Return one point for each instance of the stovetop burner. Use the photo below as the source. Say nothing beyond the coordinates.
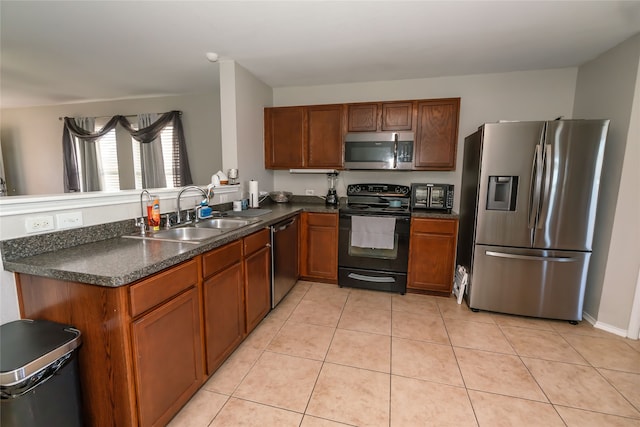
(377, 199)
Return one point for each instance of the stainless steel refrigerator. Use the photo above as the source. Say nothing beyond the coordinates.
(529, 197)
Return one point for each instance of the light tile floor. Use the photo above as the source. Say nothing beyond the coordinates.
(330, 356)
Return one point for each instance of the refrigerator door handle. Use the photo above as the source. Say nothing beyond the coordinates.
(529, 257)
(544, 209)
(536, 182)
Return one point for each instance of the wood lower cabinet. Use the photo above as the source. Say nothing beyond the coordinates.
(141, 357)
(257, 277)
(223, 303)
(437, 134)
(168, 358)
(432, 251)
(319, 246)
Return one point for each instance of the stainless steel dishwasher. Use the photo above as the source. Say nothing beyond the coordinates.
(284, 258)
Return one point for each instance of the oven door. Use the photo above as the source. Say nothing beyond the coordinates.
(368, 268)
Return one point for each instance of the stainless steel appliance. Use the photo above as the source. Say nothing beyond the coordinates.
(528, 206)
(284, 258)
(373, 237)
(379, 150)
(432, 197)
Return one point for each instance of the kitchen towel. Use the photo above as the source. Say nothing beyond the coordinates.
(254, 194)
(373, 232)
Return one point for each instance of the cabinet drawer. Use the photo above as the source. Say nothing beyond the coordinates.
(256, 241)
(162, 286)
(437, 226)
(221, 258)
(323, 220)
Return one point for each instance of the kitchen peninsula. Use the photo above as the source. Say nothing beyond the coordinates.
(142, 308)
(151, 312)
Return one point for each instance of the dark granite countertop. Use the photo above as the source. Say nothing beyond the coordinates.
(434, 214)
(114, 260)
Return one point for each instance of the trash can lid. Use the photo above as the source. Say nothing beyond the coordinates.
(28, 346)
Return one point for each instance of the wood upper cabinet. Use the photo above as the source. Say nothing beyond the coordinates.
(319, 246)
(437, 134)
(324, 136)
(432, 251)
(284, 134)
(380, 116)
(397, 116)
(304, 137)
(223, 303)
(362, 117)
(257, 277)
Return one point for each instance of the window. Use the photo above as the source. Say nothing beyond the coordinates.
(107, 151)
(166, 140)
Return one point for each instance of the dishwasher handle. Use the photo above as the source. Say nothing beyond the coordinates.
(283, 226)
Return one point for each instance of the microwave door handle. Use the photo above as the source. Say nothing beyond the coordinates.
(395, 150)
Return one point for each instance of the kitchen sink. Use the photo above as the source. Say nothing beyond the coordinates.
(182, 234)
(226, 224)
(198, 232)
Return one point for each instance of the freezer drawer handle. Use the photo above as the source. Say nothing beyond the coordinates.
(371, 278)
(529, 257)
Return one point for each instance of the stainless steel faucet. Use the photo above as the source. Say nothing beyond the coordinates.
(141, 222)
(190, 187)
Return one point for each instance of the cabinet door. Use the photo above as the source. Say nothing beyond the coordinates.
(437, 134)
(362, 118)
(284, 137)
(257, 286)
(319, 256)
(397, 115)
(167, 350)
(432, 251)
(324, 137)
(223, 314)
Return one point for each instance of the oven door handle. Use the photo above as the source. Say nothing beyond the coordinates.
(364, 278)
(401, 220)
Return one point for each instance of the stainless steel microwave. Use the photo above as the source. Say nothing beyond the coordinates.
(379, 150)
(432, 196)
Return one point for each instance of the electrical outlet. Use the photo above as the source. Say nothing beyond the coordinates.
(69, 220)
(36, 224)
(309, 192)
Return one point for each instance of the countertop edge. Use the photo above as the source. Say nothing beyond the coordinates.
(50, 264)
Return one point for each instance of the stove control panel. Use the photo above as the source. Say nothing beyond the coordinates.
(389, 190)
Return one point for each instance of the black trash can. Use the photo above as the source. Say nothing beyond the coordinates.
(39, 383)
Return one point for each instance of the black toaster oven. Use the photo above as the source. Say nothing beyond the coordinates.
(432, 197)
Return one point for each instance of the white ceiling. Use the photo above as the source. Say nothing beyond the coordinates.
(56, 52)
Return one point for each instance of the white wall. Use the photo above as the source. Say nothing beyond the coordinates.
(243, 99)
(32, 137)
(531, 95)
(608, 87)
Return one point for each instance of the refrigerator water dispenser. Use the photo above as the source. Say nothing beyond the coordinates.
(502, 193)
